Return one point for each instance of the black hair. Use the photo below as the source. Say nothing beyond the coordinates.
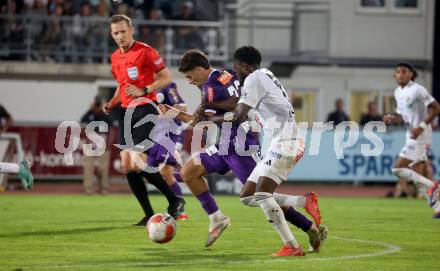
(193, 58)
(409, 67)
(249, 55)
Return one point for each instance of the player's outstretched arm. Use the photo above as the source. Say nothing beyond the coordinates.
(238, 116)
(180, 115)
(226, 105)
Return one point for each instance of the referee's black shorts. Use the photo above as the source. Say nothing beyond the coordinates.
(142, 132)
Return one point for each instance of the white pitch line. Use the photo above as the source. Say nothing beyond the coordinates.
(389, 249)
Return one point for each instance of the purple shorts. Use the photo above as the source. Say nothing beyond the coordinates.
(242, 166)
(158, 154)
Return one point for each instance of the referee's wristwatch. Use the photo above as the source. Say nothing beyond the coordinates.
(146, 90)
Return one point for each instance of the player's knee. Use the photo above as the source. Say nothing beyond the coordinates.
(185, 174)
(167, 176)
(126, 165)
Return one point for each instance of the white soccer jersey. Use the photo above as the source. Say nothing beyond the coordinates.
(262, 91)
(412, 101)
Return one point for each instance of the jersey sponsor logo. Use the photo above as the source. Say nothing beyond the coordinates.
(158, 62)
(133, 73)
(160, 97)
(210, 94)
(225, 78)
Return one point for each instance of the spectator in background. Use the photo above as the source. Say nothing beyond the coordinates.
(5, 119)
(68, 9)
(153, 35)
(338, 115)
(102, 162)
(53, 31)
(188, 37)
(371, 115)
(99, 32)
(14, 31)
(82, 32)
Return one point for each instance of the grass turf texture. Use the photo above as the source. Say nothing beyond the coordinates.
(94, 233)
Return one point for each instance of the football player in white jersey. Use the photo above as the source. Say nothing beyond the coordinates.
(23, 170)
(418, 109)
(263, 92)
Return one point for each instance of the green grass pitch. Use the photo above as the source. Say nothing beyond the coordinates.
(94, 233)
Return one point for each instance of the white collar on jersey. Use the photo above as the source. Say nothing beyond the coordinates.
(213, 70)
(410, 83)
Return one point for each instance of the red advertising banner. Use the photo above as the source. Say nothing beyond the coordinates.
(39, 148)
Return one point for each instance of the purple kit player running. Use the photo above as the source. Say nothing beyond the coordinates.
(158, 154)
(220, 92)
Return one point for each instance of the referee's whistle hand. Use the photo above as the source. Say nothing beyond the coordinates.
(134, 91)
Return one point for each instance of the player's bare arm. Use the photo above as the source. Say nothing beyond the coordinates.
(434, 110)
(182, 108)
(238, 116)
(115, 100)
(226, 105)
(180, 115)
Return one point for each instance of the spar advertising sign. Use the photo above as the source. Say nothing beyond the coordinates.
(355, 166)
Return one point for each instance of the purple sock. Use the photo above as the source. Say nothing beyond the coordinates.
(176, 188)
(178, 177)
(208, 203)
(297, 219)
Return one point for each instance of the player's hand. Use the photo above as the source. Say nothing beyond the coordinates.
(198, 117)
(388, 119)
(134, 91)
(107, 108)
(199, 114)
(163, 108)
(416, 132)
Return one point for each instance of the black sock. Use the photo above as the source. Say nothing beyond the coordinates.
(139, 189)
(157, 180)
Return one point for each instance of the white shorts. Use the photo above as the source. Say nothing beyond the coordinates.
(279, 160)
(414, 150)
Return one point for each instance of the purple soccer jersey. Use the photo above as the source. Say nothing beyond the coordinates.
(157, 154)
(222, 85)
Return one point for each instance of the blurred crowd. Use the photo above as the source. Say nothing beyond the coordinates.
(81, 27)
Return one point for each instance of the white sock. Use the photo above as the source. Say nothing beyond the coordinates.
(9, 168)
(214, 217)
(288, 200)
(275, 216)
(281, 199)
(249, 201)
(436, 206)
(411, 175)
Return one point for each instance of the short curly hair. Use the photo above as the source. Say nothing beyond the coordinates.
(249, 55)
